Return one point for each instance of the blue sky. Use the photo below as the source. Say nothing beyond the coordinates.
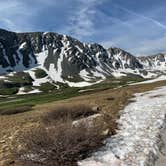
(138, 26)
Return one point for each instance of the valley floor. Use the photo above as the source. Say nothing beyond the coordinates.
(110, 101)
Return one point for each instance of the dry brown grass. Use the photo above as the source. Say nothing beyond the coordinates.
(10, 124)
(59, 143)
(17, 110)
(71, 112)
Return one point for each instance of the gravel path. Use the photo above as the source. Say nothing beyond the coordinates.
(141, 135)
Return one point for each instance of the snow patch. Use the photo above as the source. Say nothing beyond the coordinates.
(81, 84)
(55, 74)
(21, 91)
(38, 81)
(23, 45)
(118, 74)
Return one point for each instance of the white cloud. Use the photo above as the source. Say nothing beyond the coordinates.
(157, 23)
(144, 47)
(151, 46)
(81, 20)
(141, 35)
(16, 15)
(135, 32)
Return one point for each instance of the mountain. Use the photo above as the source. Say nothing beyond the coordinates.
(153, 62)
(63, 59)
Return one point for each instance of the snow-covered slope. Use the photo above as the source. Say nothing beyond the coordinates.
(70, 61)
(157, 62)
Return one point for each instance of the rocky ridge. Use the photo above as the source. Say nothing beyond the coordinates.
(67, 60)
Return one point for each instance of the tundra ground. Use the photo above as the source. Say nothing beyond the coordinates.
(110, 102)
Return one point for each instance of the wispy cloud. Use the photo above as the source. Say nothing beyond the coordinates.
(19, 15)
(135, 27)
(143, 48)
(147, 47)
(156, 22)
(81, 19)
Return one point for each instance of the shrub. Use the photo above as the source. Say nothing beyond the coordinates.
(61, 145)
(59, 142)
(20, 79)
(8, 91)
(71, 112)
(39, 73)
(16, 110)
(47, 87)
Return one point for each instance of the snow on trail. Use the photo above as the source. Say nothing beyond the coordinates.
(138, 139)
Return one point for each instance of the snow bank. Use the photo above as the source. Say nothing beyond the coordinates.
(21, 91)
(138, 140)
(81, 84)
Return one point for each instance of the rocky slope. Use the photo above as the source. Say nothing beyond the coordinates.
(68, 60)
(154, 62)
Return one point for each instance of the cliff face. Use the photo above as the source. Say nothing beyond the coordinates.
(11, 52)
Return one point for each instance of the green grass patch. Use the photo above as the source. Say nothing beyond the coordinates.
(41, 98)
(8, 91)
(65, 92)
(20, 79)
(28, 89)
(45, 87)
(39, 73)
(73, 79)
(62, 85)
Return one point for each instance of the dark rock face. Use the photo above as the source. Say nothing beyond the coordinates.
(10, 53)
(124, 59)
(8, 47)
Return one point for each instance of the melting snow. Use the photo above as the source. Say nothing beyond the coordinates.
(79, 84)
(21, 91)
(41, 57)
(23, 45)
(161, 78)
(2, 77)
(55, 74)
(137, 140)
(118, 74)
(37, 81)
(85, 75)
(85, 90)
(34, 91)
